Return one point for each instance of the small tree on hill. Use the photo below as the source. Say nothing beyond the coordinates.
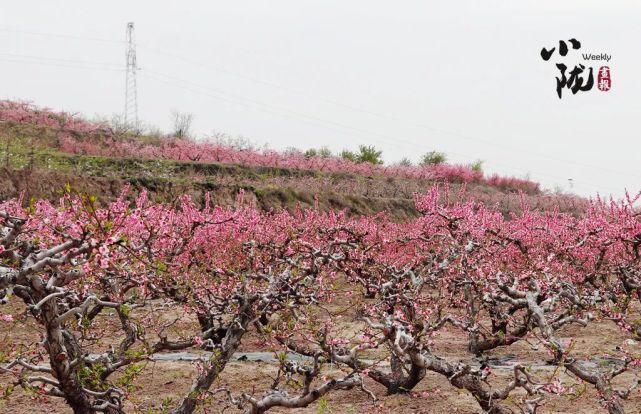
(322, 152)
(349, 155)
(367, 153)
(433, 158)
(238, 142)
(477, 166)
(404, 162)
(182, 123)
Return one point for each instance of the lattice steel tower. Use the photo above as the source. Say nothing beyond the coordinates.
(131, 93)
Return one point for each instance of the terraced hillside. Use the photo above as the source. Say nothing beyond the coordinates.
(43, 152)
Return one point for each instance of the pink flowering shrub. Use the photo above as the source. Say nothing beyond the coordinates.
(513, 183)
(25, 113)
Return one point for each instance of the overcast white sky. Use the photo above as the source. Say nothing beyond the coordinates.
(462, 77)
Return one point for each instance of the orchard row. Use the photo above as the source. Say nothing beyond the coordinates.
(93, 277)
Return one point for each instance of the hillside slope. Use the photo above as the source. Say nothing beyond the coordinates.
(42, 152)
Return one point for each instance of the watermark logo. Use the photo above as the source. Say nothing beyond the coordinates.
(580, 78)
(604, 80)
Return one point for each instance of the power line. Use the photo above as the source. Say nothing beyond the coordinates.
(220, 95)
(248, 102)
(329, 101)
(379, 114)
(62, 36)
(59, 60)
(62, 65)
(315, 119)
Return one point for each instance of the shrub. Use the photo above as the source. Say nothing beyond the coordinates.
(369, 154)
(433, 157)
(477, 166)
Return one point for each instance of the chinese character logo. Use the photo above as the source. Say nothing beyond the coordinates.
(580, 78)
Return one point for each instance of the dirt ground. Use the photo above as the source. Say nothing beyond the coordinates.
(165, 381)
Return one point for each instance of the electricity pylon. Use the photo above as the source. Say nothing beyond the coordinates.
(131, 92)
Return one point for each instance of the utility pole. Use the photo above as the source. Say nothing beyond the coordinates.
(131, 92)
